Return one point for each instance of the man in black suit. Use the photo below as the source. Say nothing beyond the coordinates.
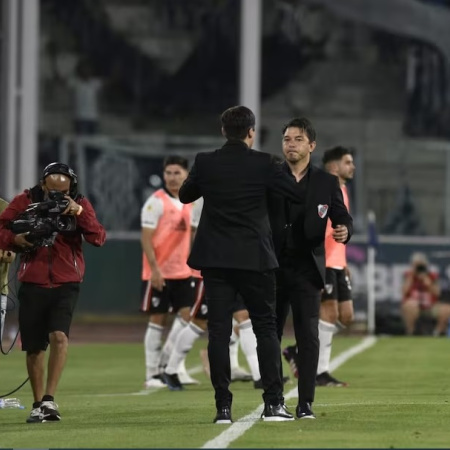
(234, 250)
(298, 234)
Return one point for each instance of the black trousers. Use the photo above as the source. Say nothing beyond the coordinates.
(299, 287)
(258, 292)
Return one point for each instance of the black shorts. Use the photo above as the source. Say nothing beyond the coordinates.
(337, 285)
(200, 308)
(44, 310)
(175, 295)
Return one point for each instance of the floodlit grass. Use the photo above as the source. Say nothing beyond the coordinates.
(399, 396)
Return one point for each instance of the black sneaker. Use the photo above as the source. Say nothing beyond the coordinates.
(290, 355)
(49, 412)
(304, 411)
(325, 379)
(223, 415)
(172, 381)
(276, 413)
(35, 415)
(258, 383)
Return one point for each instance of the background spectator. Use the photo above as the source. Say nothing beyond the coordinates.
(86, 88)
(421, 298)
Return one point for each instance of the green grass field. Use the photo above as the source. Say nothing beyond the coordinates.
(399, 397)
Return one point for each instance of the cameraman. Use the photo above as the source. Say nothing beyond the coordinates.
(421, 291)
(51, 277)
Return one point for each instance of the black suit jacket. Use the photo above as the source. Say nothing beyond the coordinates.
(323, 193)
(234, 230)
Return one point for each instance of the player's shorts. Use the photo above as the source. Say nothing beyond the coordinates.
(200, 308)
(44, 310)
(337, 285)
(175, 295)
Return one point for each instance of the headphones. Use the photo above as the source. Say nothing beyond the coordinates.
(64, 169)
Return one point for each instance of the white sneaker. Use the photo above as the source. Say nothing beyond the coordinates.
(35, 416)
(154, 383)
(183, 375)
(185, 378)
(240, 374)
(49, 411)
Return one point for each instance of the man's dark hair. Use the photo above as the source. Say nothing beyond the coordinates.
(336, 154)
(178, 160)
(236, 122)
(303, 124)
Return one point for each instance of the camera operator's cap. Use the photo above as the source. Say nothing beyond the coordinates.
(419, 258)
(64, 169)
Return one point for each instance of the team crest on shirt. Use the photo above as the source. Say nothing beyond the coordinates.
(156, 301)
(322, 210)
(204, 309)
(328, 288)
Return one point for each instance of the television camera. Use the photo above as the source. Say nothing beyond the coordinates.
(44, 220)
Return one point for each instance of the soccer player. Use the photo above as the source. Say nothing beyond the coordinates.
(166, 241)
(336, 309)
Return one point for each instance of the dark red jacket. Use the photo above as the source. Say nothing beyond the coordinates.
(64, 261)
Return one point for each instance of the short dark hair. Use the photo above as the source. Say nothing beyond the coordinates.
(336, 154)
(303, 124)
(236, 122)
(175, 159)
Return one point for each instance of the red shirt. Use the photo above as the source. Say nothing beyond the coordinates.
(61, 263)
(418, 291)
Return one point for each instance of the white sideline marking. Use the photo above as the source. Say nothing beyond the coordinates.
(193, 371)
(237, 429)
(396, 403)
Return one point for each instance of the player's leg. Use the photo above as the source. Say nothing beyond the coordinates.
(247, 340)
(186, 340)
(172, 375)
(179, 323)
(329, 314)
(337, 287)
(156, 305)
(199, 317)
(181, 297)
(345, 318)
